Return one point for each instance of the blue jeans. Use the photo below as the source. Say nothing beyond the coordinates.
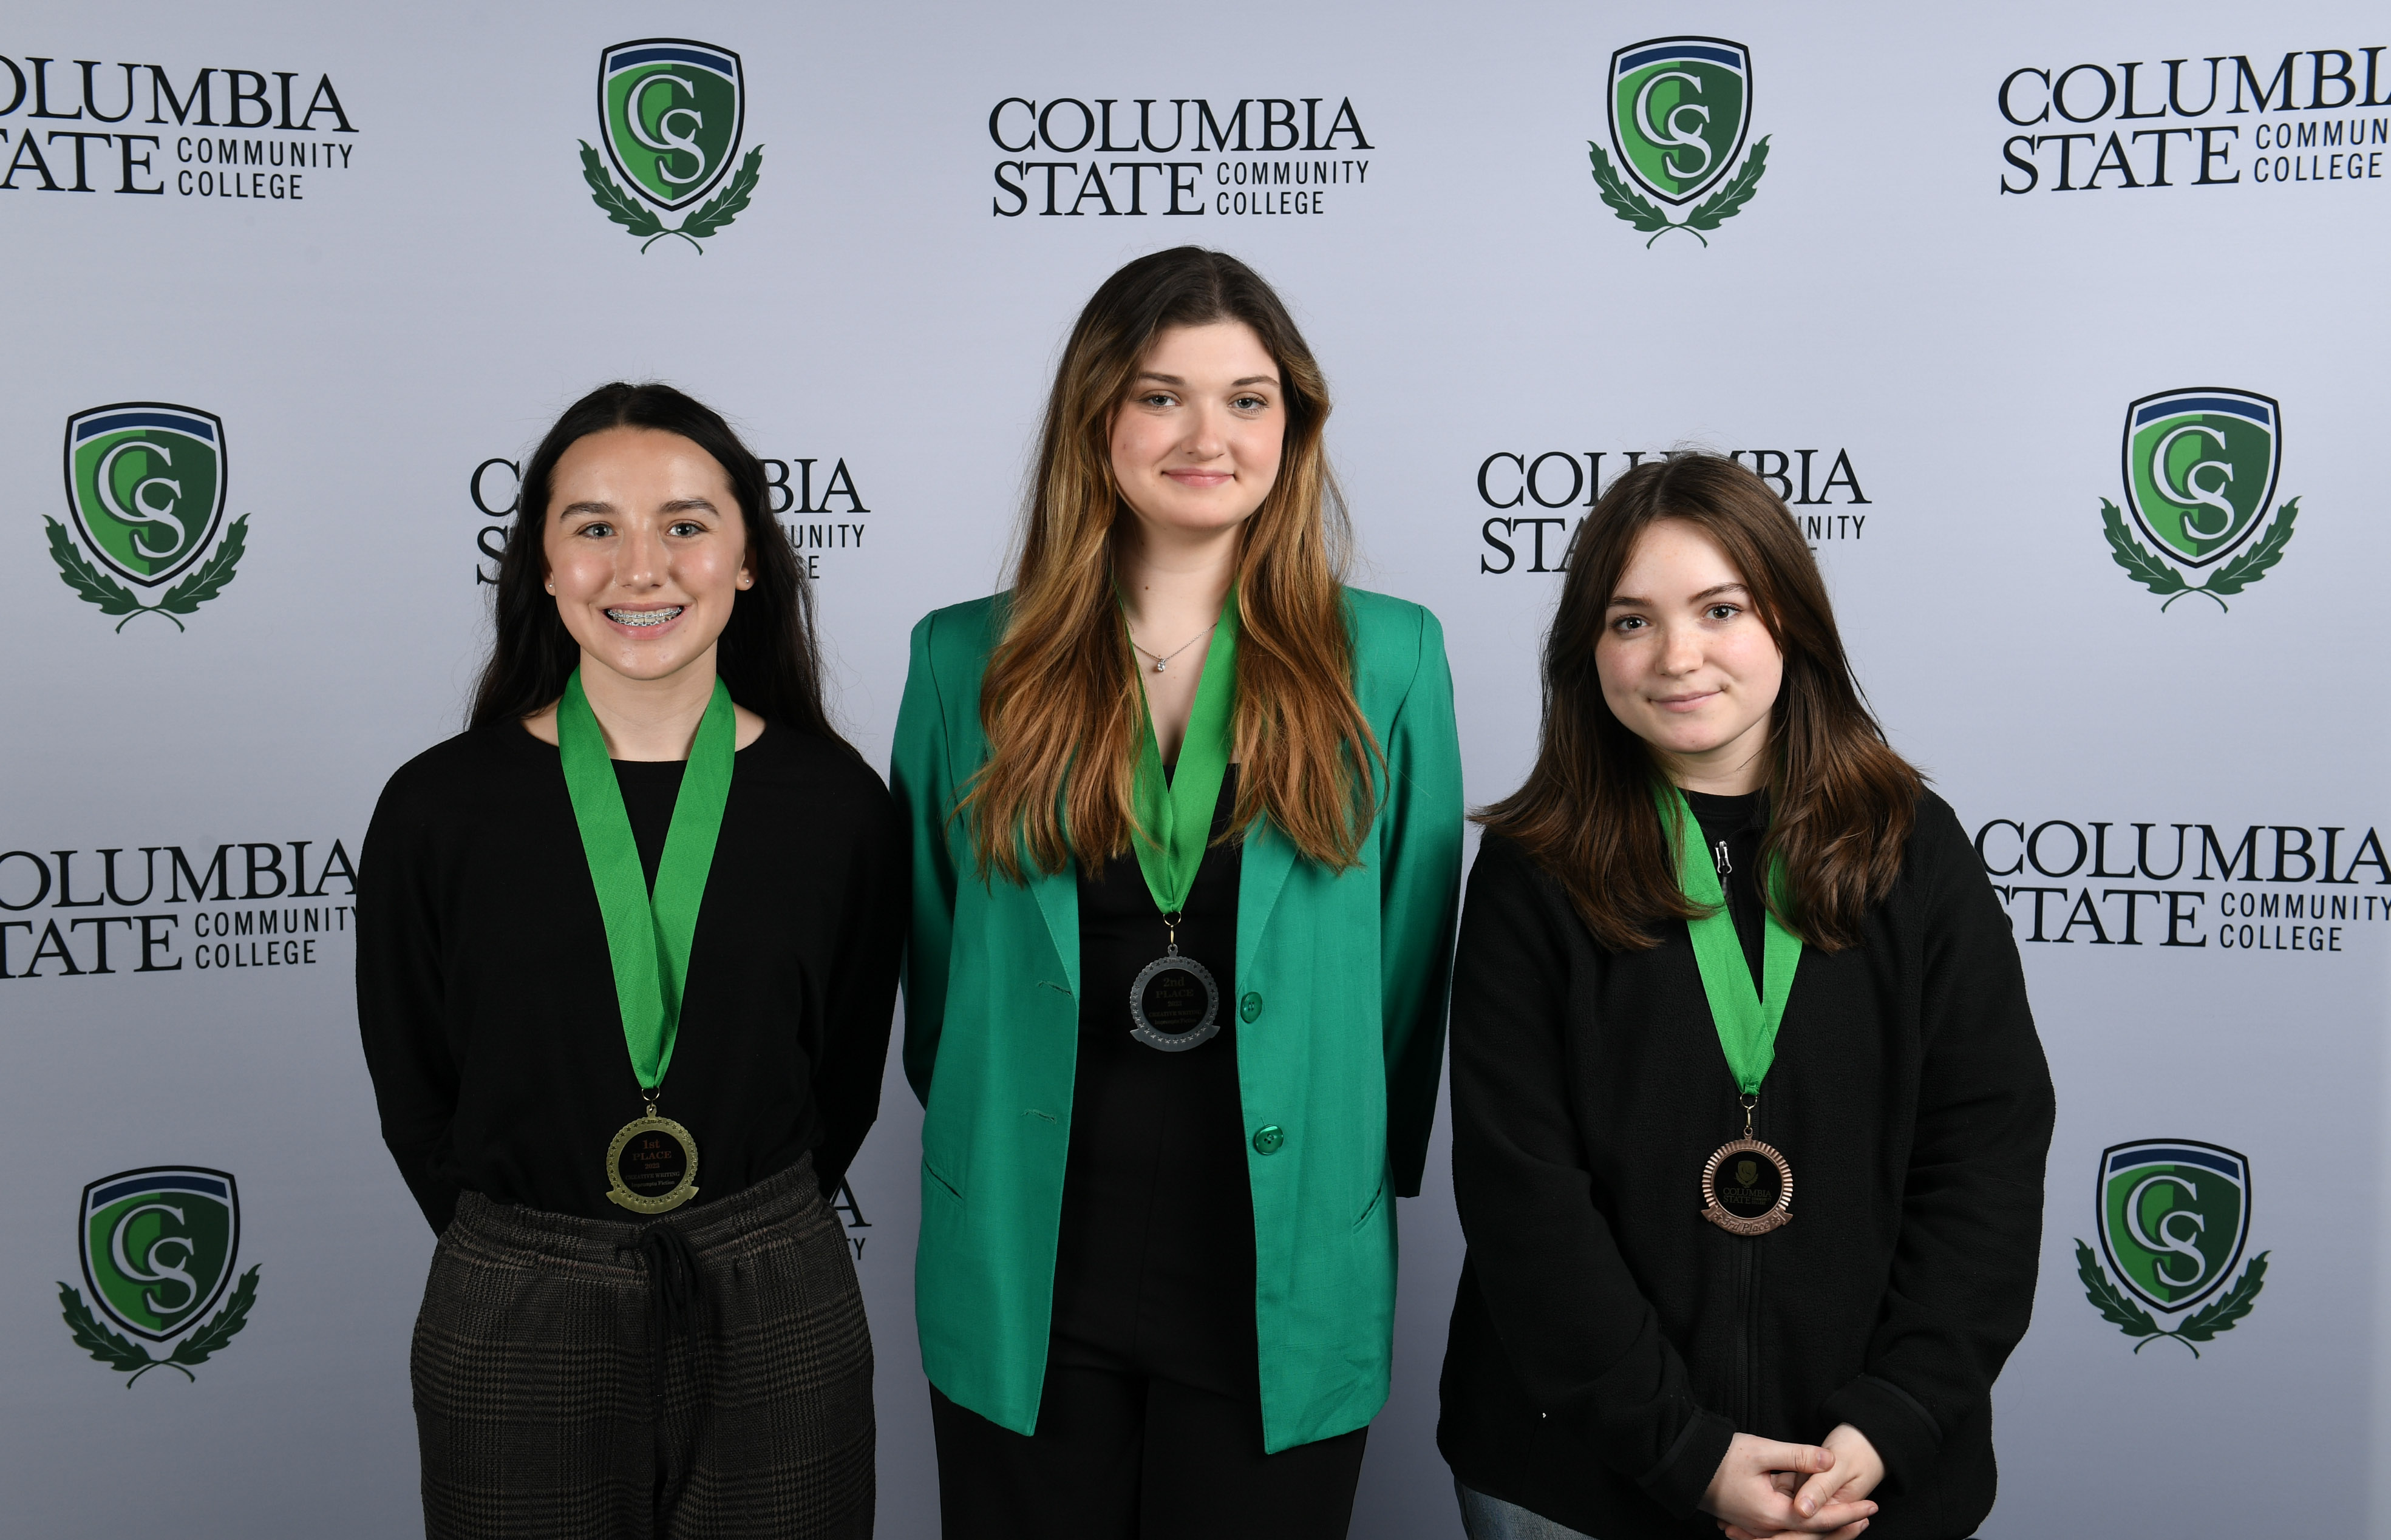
(1484, 1517)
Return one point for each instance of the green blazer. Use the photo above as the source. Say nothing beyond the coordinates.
(1343, 982)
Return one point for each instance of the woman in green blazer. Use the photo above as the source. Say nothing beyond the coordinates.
(1185, 816)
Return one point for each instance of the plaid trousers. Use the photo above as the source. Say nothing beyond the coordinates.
(590, 1380)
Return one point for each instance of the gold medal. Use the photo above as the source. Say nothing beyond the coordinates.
(651, 1165)
(1747, 1188)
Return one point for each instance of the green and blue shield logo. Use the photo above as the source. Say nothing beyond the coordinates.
(145, 493)
(145, 485)
(2200, 468)
(158, 1245)
(671, 110)
(2174, 1217)
(1679, 109)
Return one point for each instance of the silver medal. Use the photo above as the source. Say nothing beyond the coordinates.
(1175, 1004)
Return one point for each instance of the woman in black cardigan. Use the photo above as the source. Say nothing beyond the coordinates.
(1713, 816)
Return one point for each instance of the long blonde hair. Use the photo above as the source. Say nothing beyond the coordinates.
(1060, 700)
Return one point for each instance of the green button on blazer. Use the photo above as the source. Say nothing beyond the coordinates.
(1342, 984)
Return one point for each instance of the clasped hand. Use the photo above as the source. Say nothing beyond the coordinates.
(1764, 1490)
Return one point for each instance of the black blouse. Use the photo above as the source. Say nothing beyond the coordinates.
(487, 999)
(1154, 1264)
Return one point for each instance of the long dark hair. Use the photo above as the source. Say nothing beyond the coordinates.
(768, 655)
(1841, 802)
(1060, 698)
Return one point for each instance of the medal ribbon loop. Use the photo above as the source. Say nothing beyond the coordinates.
(647, 937)
(1174, 815)
(1746, 1018)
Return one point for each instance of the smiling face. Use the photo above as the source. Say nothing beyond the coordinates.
(646, 551)
(1196, 446)
(1685, 662)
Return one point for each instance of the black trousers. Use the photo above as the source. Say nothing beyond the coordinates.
(1124, 1456)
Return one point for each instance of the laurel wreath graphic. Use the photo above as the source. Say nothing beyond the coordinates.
(640, 220)
(121, 1355)
(2221, 1314)
(2235, 575)
(1709, 214)
(114, 598)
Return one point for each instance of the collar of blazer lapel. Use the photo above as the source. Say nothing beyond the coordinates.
(1058, 899)
(1262, 871)
(1262, 868)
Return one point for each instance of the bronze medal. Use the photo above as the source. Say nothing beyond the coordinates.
(1747, 1188)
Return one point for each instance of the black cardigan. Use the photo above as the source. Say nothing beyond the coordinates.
(486, 998)
(1608, 1342)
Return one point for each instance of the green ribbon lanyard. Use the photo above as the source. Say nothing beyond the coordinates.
(1174, 816)
(647, 938)
(1746, 1018)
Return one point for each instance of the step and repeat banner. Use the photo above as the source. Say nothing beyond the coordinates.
(2061, 328)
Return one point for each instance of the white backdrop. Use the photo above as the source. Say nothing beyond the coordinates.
(437, 282)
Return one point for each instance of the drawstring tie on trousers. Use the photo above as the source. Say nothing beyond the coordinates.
(672, 1306)
(672, 1278)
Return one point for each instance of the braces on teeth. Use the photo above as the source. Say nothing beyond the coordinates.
(643, 617)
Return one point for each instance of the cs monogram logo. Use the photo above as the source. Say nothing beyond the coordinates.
(146, 489)
(2174, 1215)
(2199, 470)
(158, 1249)
(671, 113)
(1680, 108)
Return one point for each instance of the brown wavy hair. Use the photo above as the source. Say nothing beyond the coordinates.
(1060, 699)
(1841, 802)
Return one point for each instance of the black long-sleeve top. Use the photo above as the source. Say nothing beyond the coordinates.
(1607, 1342)
(1155, 1258)
(486, 998)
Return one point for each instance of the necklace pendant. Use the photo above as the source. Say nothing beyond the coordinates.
(1158, 665)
